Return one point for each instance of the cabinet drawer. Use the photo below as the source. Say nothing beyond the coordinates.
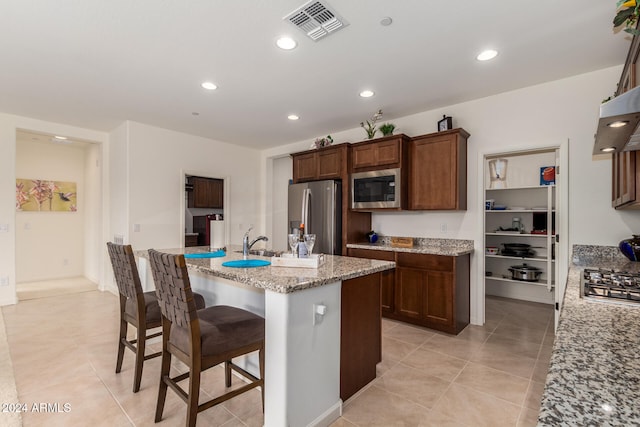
(372, 254)
(426, 262)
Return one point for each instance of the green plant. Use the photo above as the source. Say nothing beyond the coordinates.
(628, 12)
(370, 127)
(387, 129)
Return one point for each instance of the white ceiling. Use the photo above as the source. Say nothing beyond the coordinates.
(96, 63)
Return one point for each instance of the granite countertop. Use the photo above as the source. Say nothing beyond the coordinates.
(279, 279)
(448, 247)
(593, 376)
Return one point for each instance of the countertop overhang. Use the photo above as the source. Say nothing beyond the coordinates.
(278, 279)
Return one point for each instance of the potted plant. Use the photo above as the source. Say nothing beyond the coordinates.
(628, 12)
(387, 129)
(370, 126)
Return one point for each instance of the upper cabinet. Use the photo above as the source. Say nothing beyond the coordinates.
(438, 171)
(382, 153)
(206, 193)
(322, 163)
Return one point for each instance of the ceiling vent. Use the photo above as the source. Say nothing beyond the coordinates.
(316, 19)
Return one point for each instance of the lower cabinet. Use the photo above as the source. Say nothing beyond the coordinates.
(360, 333)
(387, 277)
(427, 290)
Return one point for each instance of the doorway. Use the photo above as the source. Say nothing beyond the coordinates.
(59, 227)
(206, 204)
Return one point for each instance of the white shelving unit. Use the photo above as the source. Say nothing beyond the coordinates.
(535, 206)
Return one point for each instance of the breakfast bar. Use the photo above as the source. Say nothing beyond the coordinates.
(322, 327)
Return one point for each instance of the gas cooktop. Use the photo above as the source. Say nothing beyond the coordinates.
(605, 285)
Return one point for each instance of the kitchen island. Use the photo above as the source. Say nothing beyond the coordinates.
(307, 312)
(593, 376)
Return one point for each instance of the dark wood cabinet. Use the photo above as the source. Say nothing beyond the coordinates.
(625, 175)
(387, 277)
(438, 171)
(205, 193)
(360, 333)
(432, 291)
(191, 240)
(382, 153)
(332, 163)
(427, 290)
(319, 164)
(625, 180)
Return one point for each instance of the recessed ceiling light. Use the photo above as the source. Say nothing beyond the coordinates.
(367, 93)
(618, 123)
(209, 86)
(608, 149)
(487, 55)
(195, 113)
(292, 117)
(386, 21)
(60, 137)
(286, 43)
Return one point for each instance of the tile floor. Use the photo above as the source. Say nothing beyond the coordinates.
(63, 350)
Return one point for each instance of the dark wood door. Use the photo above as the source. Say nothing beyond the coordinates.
(437, 171)
(624, 178)
(330, 163)
(439, 298)
(305, 167)
(388, 152)
(360, 333)
(409, 292)
(216, 188)
(387, 277)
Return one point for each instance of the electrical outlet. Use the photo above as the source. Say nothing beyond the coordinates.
(4, 281)
(27, 226)
(136, 228)
(65, 261)
(443, 228)
(4, 228)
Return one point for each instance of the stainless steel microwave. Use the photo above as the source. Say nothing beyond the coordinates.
(379, 189)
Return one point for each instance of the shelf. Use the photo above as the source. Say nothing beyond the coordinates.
(517, 210)
(498, 233)
(519, 258)
(520, 188)
(522, 282)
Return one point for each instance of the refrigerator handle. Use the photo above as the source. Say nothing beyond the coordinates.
(306, 196)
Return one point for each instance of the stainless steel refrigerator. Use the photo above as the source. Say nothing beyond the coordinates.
(318, 205)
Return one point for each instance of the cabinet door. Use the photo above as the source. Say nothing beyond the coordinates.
(409, 292)
(217, 193)
(305, 167)
(437, 172)
(330, 163)
(387, 277)
(364, 156)
(439, 298)
(388, 152)
(623, 178)
(200, 192)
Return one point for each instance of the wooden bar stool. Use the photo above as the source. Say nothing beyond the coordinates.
(137, 308)
(201, 339)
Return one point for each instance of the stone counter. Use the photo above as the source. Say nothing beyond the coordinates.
(447, 247)
(279, 279)
(593, 376)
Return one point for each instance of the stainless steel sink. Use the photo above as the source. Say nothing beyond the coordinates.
(263, 252)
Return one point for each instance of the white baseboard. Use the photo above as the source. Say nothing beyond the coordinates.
(329, 416)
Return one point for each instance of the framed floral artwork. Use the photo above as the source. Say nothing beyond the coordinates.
(46, 196)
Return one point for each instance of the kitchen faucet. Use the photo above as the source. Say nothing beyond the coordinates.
(246, 246)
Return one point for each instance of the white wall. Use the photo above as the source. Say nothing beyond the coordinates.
(55, 239)
(154, 168)
(9, 124)
(538, 116)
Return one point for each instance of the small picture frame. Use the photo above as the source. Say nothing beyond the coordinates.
(445, 124)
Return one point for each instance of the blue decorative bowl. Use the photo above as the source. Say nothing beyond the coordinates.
(631, 248)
